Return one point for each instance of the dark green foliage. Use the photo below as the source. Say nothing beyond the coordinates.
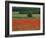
(29, 14)
(25, 10)
(13, 9)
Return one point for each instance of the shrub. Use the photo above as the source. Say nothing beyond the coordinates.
(30, 14)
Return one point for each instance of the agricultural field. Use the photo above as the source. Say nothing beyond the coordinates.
(22, 16)
(23, 22)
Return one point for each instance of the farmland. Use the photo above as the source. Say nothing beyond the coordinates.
(22, 22)
(25, 16)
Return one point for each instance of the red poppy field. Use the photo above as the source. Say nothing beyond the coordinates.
(25, 24)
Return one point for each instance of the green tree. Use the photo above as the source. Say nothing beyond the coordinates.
(29, 14)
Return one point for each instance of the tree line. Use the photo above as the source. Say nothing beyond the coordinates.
(26, 10)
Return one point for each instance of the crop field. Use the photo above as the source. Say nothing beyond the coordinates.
(21, 22)
(25, 16)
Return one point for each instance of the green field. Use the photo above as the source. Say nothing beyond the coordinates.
(25, 16)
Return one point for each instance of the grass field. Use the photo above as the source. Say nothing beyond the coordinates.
(22, 22)
(25, 16)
